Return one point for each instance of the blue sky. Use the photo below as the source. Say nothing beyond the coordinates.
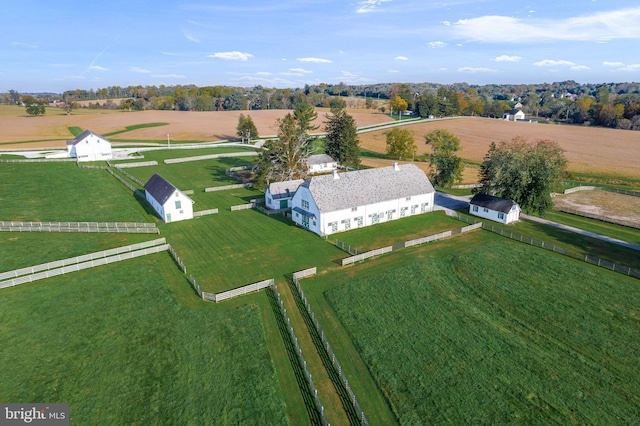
(68, 44)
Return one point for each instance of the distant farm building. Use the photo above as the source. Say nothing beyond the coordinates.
(513, 115)
(89, 146)
(170, 203)
(321, 163)
(494, 208)
(279, 194)
(338, 202)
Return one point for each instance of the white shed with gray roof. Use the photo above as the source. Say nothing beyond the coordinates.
(279, 194)
(321, 163)
(341, 201)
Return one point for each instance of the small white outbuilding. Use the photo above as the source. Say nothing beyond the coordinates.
(494, 208)
(89, 146)
(321, 163)
(279, 194)
(169, 202)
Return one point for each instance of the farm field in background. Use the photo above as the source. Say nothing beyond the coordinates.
(120, 346)
(593, 150)
(489, 330)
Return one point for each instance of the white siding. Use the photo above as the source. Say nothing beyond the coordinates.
(177, 207)
(91, 148)
(485, 213)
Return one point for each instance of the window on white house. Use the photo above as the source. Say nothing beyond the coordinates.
(178, 205)
(354, 209)
(475, 208)
(305, 204)
(500, 215)
(486, 210)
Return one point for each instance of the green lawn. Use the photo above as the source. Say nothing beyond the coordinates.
(624, 233)
(489, 331)
(397, 231)
(119, 345)
(232, 249)
(63, 192)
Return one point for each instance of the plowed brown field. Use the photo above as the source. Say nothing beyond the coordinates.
(588, 149)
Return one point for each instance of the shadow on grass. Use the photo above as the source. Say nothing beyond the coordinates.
(303, 385)
(324, 355)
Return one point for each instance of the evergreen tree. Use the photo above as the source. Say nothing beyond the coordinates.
(446, 166)
(342, 142)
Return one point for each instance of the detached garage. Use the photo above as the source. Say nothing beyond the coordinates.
(169, 202)
(494, 208)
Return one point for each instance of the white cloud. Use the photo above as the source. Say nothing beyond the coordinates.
(613, 64)
(98, 68)
(140, 70)
(554, 63)
(601, 26)
(393, 71)
(168, 76)
(192, 38)
(300, 70)
(445, 23)
(316, 60)
(630, 67)
(348, 74)
(264, 73)
(580, 68)
(401, 58)
(232, 56)
(443, 69)
(507, 58)
(475, 70)
(27, 45)
(367, 6)
(437, 44)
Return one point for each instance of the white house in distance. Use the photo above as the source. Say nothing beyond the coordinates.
(321, 163)
(513, 115)
(494, 208)
(279, 194)
(338, 202)
(89, 146)
(170, 203)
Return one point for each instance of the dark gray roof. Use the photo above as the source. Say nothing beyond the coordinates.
(512, 112)
(493, 203)
(159, 188)
(362, 187)
(284, 189)
(82, 136)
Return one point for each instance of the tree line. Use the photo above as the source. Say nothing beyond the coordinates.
(615, 105)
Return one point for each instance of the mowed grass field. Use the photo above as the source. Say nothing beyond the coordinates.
(121, 346)
(484, 330)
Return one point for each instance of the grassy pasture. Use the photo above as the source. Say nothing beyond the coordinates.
(232, 249)
(65, 193)
(488, 331)
(623, 233)
(118, 344)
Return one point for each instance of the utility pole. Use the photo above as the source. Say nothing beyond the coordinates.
(168, 141)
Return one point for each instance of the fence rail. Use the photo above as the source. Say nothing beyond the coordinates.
(130, 176)
(122, 180)
(37, 160)
(218, 297)
(614, 267)
(250, 205)
(209, 157)
(115, 227)
(332, 356)
(346, 247)
(177, 259)
(301, 359)
(137, 164)
(205, 212)
(84, 265)
(599, 217)
(227, 187)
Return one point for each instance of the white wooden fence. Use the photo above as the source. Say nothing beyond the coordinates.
(209, 157)
(83, 262)
(227, 187)
(217, 297)
(580, 188)
(137, 164)
(113, 227)
(205, 212)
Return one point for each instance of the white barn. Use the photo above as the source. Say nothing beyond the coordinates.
(321, 163)
(279, 194)
(338, 202)
(494, 208)
(170, 203)
(513, 115)
(89, 146)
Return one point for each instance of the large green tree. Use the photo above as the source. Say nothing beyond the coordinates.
(399, 105)
(305, 114)
(286, 157)
(523, 171)
(342, 142)
(246, 128)
(33, 106)
(446, 166)
(400, 143)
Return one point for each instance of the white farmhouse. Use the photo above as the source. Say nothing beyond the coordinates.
(338, 202)
(494, 208)
(170, 203)
(89, 146)
(279, 194)
(513, 115)
(321, 163)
